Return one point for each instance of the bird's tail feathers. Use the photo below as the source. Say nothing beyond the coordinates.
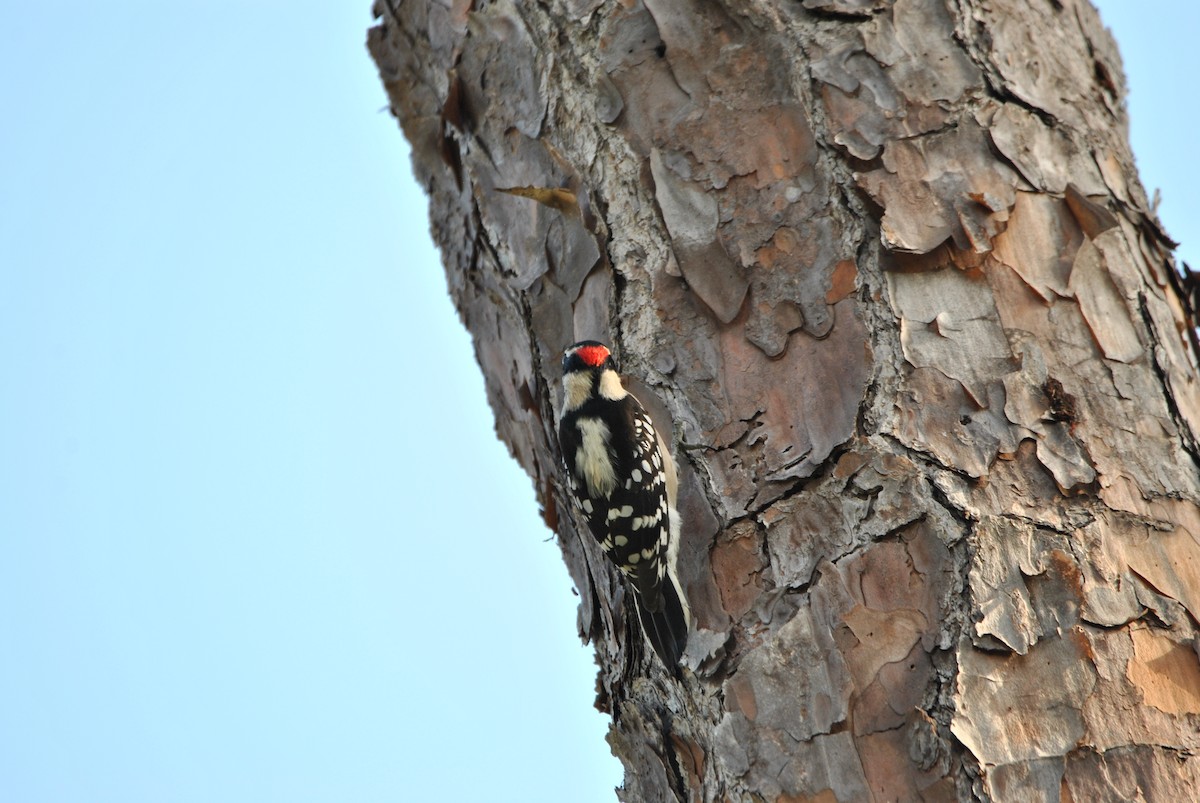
(667, 627)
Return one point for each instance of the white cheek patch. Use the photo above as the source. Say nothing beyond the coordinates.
(611, 387)
(577, 387)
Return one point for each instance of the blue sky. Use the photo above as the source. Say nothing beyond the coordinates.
(238, 560)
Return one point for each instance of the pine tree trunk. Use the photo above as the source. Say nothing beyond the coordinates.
(887, 267)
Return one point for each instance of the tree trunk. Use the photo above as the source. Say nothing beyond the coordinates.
(887, 267)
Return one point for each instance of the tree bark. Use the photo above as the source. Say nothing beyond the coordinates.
(887, 267)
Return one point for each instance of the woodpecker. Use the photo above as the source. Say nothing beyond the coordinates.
(622, 478)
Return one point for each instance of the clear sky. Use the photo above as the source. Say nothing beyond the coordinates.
(242, 556)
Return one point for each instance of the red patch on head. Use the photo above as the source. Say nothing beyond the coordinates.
(593, 355)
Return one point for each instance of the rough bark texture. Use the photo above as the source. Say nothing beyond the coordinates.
(887, 267)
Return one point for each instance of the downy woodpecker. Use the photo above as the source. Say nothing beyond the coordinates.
(622, 478)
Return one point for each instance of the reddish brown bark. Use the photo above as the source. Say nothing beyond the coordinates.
(888, 268)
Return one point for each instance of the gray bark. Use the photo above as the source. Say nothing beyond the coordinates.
(887, 267)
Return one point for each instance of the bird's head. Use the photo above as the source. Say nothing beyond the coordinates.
(589, 370)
